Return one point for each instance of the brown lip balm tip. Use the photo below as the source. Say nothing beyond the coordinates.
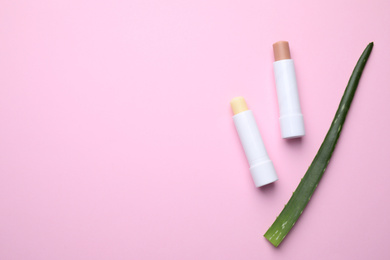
(281, 50)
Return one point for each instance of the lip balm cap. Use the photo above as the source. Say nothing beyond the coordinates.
(263, 173)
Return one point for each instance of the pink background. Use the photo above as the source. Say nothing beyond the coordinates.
(117, 142)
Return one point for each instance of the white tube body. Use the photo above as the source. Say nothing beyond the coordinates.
(261, 167)
(291, 118)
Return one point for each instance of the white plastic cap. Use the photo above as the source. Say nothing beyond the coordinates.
(261, 167)
(263, 173)
(290, 115)
(292, 126)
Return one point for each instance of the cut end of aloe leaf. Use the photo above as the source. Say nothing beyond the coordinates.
(275, 238)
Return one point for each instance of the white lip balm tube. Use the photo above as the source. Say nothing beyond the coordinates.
(291, 118)
(261, 167)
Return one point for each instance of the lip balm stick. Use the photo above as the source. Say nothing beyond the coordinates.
(291, 118)
(261, 167)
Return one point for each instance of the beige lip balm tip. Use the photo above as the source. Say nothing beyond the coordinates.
(238, 105)
(281, 50)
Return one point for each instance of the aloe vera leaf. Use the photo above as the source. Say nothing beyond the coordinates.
(298, 201)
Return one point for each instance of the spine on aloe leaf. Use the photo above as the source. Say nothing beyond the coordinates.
(298, 201)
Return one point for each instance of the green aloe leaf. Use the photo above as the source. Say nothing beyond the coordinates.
(298, 201)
